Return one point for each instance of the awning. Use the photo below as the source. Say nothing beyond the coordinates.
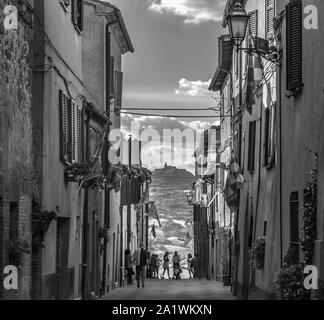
(225, 57)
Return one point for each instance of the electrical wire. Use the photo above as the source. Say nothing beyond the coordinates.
(169, 116)
(169, 109)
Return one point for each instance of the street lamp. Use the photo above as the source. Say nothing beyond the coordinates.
(237, 23)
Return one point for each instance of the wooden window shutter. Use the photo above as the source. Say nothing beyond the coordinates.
(270, 14)
(112, 76)
(79, 135)
(266, 136)
(270, 136)
(253, 23)
(77, 13)
(119, 89)
(73, 133)
(294, 45)
(63, 110)
(251, 154)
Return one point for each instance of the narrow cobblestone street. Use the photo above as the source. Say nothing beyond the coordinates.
(173, 290)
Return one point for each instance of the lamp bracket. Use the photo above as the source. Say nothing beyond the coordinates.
(273, 55)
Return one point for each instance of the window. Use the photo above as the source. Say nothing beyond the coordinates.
(77, 14)
(119, 89)
(265, 225)
(294, 227)
(71, 130)
(270, 135)
(251, 154)
(270, 14)
(294, 45)
(253, 23)
(64, 138)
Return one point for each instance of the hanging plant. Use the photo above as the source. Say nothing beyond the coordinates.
(17, 251)
(41, 220)
(257, 253)
(310, 216)
(103, 233)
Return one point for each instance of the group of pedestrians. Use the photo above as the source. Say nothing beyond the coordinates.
(139, 259)
(144, 263)
(176, 263)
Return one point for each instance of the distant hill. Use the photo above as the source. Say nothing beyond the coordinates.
(167, 190)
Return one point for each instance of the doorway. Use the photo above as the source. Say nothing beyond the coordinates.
(64, 285)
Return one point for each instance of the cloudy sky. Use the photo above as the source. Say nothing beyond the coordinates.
(175, 57)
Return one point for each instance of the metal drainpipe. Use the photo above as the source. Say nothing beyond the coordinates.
(85, 219)
(107, 194)
(129, 199)
(280, 161)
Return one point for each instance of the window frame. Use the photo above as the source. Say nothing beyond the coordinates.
(71, 141)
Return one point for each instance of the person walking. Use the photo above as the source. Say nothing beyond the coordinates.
(176, 265)
(153, 265)
(140, 260)
(190, 261)
(129, 267)
(157, 266)
(166, 266)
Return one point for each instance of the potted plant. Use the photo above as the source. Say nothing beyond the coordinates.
(291, 282)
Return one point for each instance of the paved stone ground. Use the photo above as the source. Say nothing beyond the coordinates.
(173, 290)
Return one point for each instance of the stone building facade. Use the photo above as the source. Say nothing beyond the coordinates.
(276, 135)
(17, 186)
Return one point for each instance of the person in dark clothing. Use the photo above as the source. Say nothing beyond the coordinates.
(196, 263)
(153, 266)
(140, 259)
(129, 267)
(166, 264)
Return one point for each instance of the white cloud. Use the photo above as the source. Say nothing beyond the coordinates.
(194, 11)
(193, 88)
(177, 151)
